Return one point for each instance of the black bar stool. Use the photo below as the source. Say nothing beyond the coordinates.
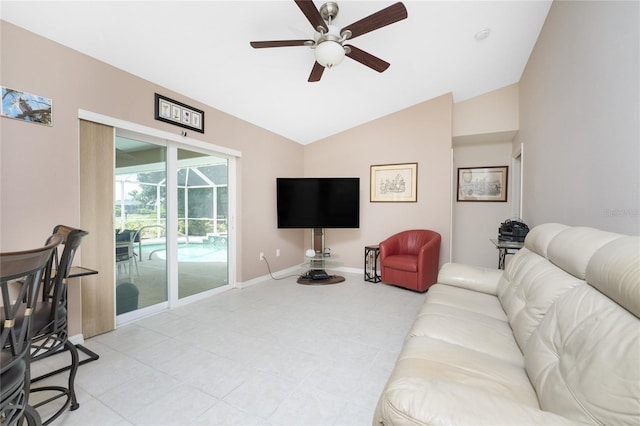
(50, 320)
(21, 271)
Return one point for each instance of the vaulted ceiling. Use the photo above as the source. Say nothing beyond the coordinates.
(201, 50)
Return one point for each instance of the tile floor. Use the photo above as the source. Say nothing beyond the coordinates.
(275, 353)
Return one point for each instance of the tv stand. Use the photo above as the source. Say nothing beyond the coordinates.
(317, 274)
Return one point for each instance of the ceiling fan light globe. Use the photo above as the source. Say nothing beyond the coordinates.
(329, 54)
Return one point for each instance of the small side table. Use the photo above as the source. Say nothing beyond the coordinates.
(371, 255)
(505, 248)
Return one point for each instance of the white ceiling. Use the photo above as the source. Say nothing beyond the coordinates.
(201, 50)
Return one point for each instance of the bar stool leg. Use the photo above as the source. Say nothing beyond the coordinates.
(69, 392)
(32, 417)
(75, 362)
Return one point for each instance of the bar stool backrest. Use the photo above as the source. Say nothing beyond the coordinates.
(25, 268)
(54, 288)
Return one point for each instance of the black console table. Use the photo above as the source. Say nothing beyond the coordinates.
(505, 248)
(371, 255)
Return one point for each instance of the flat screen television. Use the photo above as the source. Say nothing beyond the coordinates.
(318, 202)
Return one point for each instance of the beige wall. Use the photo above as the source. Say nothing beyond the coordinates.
(420, 134)
(579, 118)
(475, 223)
(487, 118)
(483, 128)
(39, 171)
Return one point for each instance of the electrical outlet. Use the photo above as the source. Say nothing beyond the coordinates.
(277, 252)
(261, 255)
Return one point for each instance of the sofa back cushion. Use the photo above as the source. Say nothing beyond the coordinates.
(531, 283)
(539, 285)
(584, 358)
(553, 261)
(573, 248)
(539, 238)
(615, 271)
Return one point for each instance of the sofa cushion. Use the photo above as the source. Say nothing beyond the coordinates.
(462, 298)
(614, 270)
(532, 283)
(583, 359)
(522, 264)
(462, 317)
(440, 361)
(572, 248)
(539, 237)
(422, 401)
(537, 284)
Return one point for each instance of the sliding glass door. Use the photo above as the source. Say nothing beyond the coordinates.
(140, 225)
(202, 222)
(171, 225)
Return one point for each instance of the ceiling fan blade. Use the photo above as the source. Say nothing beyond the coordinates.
(394, 13)
(316, 73)
(313, 15)
(278, 43)
(367, 59)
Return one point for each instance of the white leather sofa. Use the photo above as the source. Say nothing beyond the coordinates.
(554, 339)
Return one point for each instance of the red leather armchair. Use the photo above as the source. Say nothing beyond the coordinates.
(410, 259)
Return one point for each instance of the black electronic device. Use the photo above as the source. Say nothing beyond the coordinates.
(318, 274)
(318, 202)
(513, 230)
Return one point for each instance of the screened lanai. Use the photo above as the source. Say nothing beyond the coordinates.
(202, 201)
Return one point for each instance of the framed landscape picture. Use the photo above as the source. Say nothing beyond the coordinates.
(482, 183)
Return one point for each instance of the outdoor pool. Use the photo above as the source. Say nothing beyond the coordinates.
(192, 252)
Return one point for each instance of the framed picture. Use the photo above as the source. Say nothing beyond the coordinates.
(177, 113)
(394, 183)
(26, 107)
(482, 183)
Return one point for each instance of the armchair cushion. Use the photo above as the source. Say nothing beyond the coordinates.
(404, 262)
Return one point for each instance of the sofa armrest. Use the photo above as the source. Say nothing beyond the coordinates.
(419, 401)
(416, 401)
(474, 278)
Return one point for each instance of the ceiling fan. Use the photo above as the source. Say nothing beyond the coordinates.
(329, 40)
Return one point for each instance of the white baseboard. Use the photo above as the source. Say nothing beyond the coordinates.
(352, 270)
(77, 339)
(278, 274)
(291, 271)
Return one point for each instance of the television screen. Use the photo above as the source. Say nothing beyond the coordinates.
(318, 202)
